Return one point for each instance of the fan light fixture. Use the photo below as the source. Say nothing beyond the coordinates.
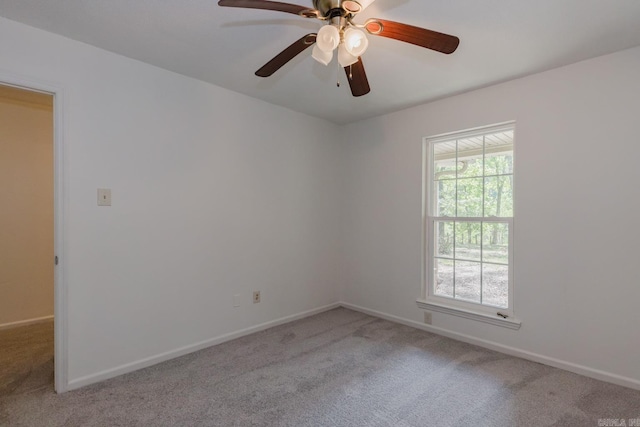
(356, 6)
(355, 41)
(328, 38)
(321, 56)
(351, 44)
(344, 57)
(344, 34)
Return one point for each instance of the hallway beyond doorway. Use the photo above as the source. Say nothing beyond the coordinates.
(26, 359)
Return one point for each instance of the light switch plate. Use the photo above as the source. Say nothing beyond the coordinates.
(104, 197)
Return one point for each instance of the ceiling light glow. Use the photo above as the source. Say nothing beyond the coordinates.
(344, 57)
(355, 41)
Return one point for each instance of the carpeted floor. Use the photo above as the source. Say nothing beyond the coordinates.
(26, 359)
(339, 368)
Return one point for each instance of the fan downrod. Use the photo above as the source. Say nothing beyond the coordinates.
(329, 8)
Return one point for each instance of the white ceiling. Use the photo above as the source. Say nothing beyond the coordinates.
(500, 40)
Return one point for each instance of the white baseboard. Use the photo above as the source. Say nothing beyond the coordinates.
(25, 322)
(159, 358)
(512, 351)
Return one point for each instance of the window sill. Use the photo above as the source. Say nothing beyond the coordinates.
(473, 315)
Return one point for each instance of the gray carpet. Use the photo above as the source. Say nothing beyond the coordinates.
(339, 368)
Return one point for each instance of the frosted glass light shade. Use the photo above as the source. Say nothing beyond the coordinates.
(328, 38)
(344, 57)
(355, 41)
(321, 56)
(355, 6)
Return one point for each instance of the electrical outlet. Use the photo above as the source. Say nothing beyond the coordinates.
(427, 318)
(256, 297)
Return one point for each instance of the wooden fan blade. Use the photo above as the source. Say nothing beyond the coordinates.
(264, 4)
(408, 33)
(357, 79)
(286, 55)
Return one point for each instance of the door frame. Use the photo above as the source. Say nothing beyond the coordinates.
(61, 382)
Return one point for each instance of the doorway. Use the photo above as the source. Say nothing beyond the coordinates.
(27, 248)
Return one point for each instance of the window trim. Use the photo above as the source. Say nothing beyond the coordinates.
(492, 319)
(429, 301)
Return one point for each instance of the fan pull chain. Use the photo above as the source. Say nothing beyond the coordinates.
(338, 84)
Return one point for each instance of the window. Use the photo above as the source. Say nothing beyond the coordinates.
(469, 224)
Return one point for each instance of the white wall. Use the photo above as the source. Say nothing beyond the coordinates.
(576, 182)
(26, 215)
(214, 194)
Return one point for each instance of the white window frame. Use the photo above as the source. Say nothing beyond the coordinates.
(430, 301)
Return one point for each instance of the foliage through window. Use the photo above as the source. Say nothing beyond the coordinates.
(470, 219)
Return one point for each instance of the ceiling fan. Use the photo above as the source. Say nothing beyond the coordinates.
(344, 35)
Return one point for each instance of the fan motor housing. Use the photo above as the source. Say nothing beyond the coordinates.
(325, 6)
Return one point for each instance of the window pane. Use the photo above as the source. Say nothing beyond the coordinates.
(495, 242)
(467, 280)
(470, 162)
(444, 160)
(498, 196)
(471, 184)
(498, 149)
(470, 197)
(468, 241)
(444, 239)
(495, 285)
(443, 274)
(498, 164)
(445, 198)
(469, 167)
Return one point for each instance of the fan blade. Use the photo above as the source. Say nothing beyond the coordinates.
(408, 33)
(357, 79)
(264, 4)
(286, 55)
